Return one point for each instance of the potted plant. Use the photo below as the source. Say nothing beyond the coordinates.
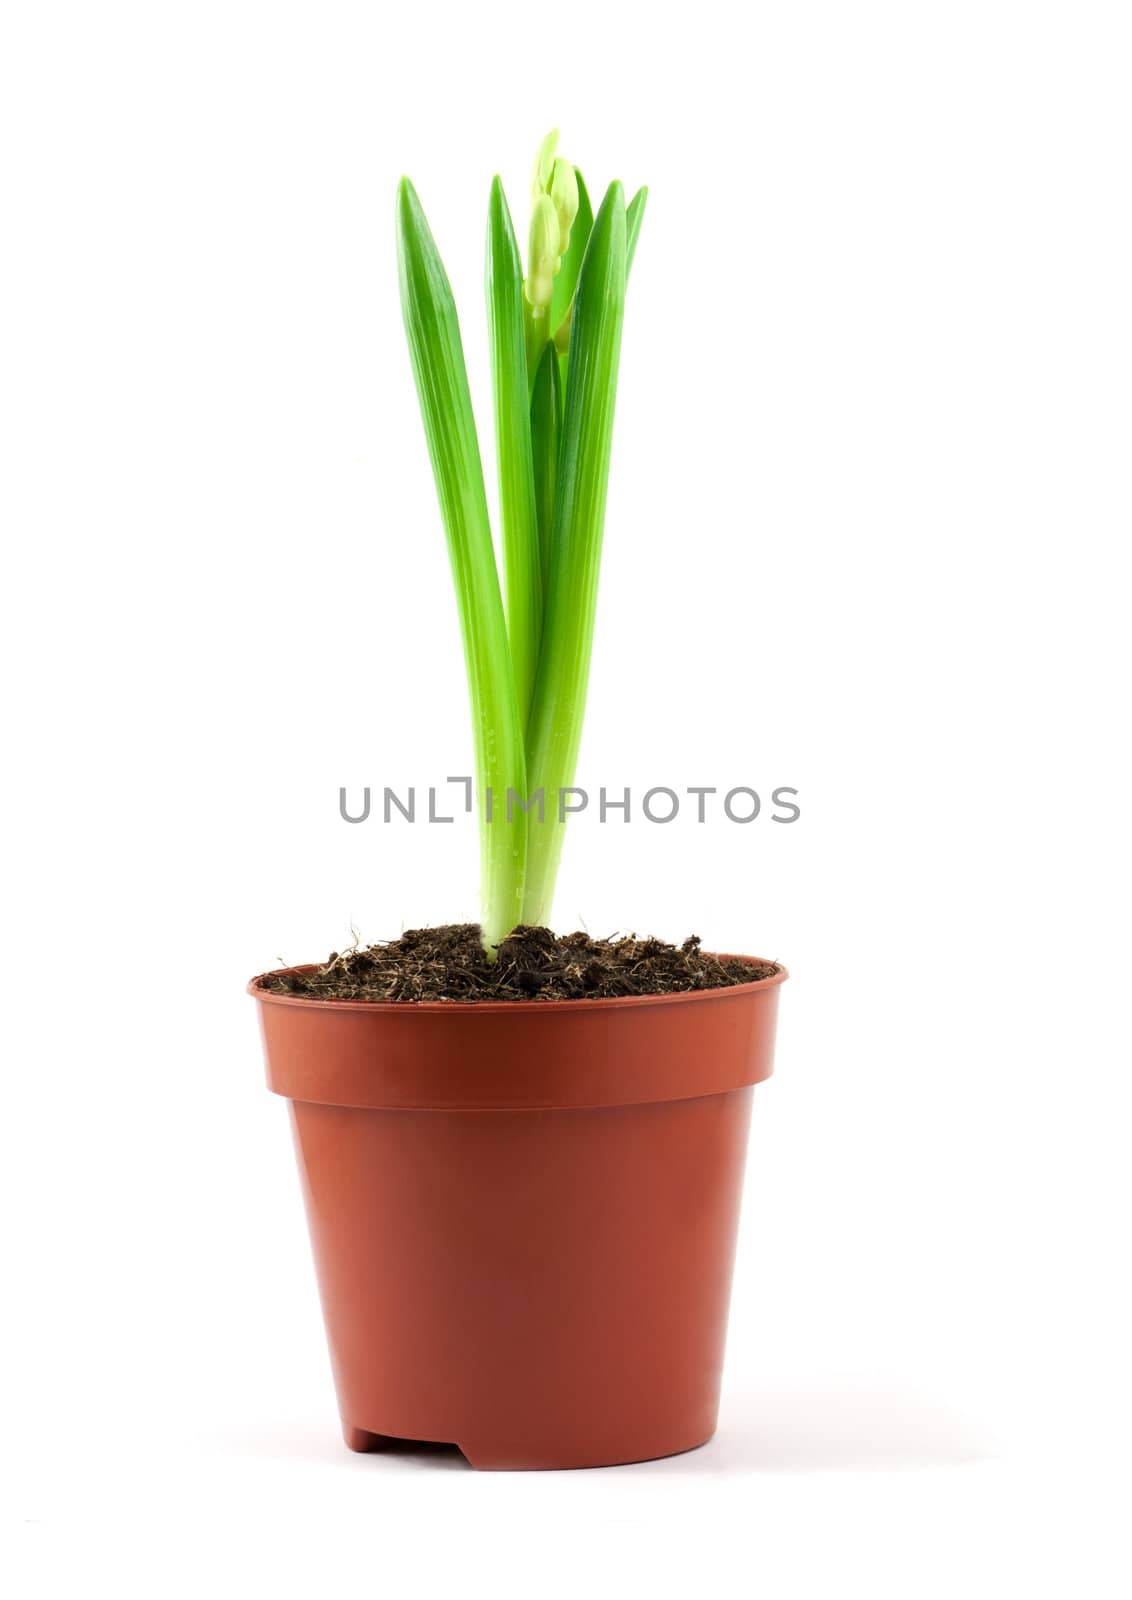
(522, 1155)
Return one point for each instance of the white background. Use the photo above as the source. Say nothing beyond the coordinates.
(870, 497)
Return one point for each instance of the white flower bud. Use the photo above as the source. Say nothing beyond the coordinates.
(545, 254)
(564, 192)
(544, 164)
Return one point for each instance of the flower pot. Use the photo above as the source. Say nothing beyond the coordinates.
(523, 1215)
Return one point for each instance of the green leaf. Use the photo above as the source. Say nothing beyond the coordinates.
(567, 279)
(546, 437)
(554, 730)
(634, 215)
(522, 575)
(437, 355)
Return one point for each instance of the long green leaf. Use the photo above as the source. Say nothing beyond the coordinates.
(555, 728)
(442, 385)
(522, 575)
(546, 438)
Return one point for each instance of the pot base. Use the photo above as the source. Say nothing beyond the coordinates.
(496, 1458)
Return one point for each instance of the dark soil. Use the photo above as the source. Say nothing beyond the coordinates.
(532, 964)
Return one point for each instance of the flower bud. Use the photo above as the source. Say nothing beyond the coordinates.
(564, 193)
(544, 164)
(545, 253)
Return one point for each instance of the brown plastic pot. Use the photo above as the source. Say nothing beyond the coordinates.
(523, 1215)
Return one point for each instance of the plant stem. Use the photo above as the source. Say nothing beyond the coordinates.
(546, 439)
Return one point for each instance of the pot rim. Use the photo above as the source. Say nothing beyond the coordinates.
(521, 1007)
